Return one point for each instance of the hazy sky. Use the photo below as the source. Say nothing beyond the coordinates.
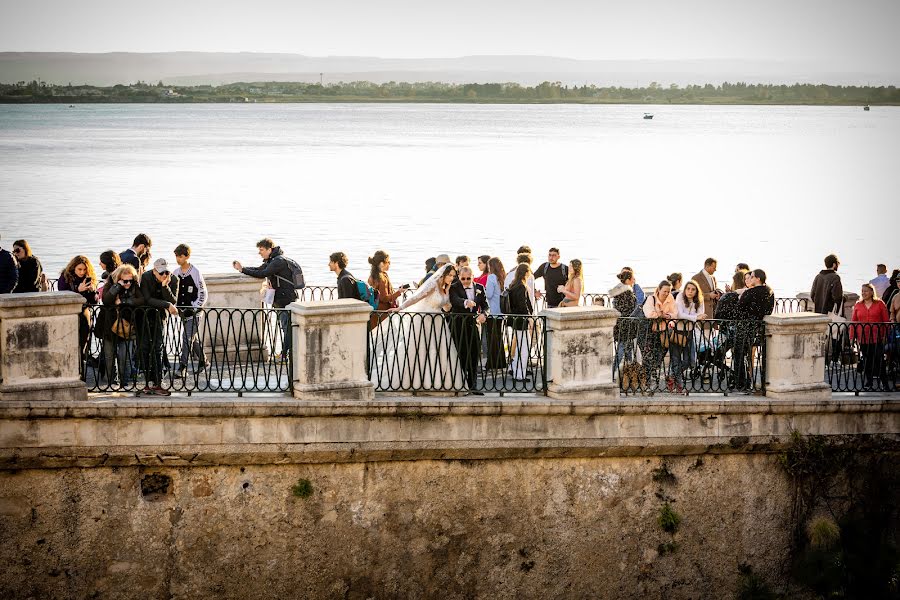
(857, 35)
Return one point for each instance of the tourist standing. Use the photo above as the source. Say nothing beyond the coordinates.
(523, 259)
(754, 304)
(483, 267)
(625, 330)
(891, 292)
(574, 286)
(827, 293)
(690, 309)
(866, 328)
(190, 291)
(468, 306)
(660, 307)
(9, 272)
(520, 303)
(116, 324)
(381, 283)
(494, 327)
(346, 282)
(881, 280)
(109, 262)
(280, 273)
(555, 274)
(79, 277)
(706, 283)
(638, 290)
(30, 270)
(140, 248)
(160, 294)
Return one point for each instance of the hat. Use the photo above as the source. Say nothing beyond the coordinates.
(442, 259)
(160, 265)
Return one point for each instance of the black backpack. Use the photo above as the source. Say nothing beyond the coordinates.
(297, 279)
(504, 302)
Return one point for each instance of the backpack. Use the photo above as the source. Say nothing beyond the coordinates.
(504, 302)
(297, 279)
(367, 293)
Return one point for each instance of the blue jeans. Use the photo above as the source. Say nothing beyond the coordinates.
(190, 341)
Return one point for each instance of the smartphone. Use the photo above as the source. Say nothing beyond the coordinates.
(405, 286)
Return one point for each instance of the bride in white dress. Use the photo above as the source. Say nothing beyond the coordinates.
(412, 348)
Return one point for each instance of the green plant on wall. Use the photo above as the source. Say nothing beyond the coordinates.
(668, 519)
(302, 489)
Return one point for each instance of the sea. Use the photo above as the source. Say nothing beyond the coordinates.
(778, 187)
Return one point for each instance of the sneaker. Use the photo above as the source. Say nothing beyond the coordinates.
(146, 391)
(679, 389)
(160, 391)
(670, 384)
(180, 372)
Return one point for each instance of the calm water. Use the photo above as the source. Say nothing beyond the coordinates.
(777, 187)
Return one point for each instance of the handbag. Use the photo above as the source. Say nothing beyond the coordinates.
(122, 328)
(836, 318)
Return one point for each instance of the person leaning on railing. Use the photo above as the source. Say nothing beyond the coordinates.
(660, 308)
(625, 331)
(189, 287)
(116, 323)
(79, 276)
(159, 302)
(30, 271)
(691, 309)
(867, 329)
(520, 303)
(9, 272)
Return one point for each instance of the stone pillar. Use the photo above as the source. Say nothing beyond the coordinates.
(329, 345)
(580, 353)
(795, 356)
(226, 333)
(850, 300)
(39, 347)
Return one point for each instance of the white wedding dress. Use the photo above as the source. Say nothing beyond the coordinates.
(412, 349)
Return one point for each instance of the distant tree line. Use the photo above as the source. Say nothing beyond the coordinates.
(549, 92)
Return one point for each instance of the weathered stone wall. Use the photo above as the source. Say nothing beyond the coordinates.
(575, 528)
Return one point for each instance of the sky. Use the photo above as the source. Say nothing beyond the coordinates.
(858, 35)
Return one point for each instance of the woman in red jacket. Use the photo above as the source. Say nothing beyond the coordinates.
(870, 310)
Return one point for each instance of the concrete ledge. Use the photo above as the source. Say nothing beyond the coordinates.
(105, 432)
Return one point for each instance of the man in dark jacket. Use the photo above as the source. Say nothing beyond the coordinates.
(469, 305)
(827, 291)
(139, 248)
(9, 272)
(346, 282)
(159, 303)
(277, 270)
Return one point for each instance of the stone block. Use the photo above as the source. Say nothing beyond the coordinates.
(795, 356)
(580, 352)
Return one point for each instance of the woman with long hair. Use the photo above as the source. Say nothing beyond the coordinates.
(690, 309)
(493, 327)
(625, 331)
(380, 263)
(675, 279)
(79, 276)
(660, 309)
(483, 261)
(574, 286)
(30, 270)
(520, 303)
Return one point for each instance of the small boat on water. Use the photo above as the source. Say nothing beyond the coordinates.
(866, 107)
(648, 115)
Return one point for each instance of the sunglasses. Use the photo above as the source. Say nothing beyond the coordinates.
(17, 250)
(465, 279)
(126, 281)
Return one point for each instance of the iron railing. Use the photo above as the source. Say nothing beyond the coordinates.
(681, 356)
(448, 352)
(207, 350)
(791, 305)
(863, 357)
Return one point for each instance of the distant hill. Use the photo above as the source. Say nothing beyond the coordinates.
(194, 68)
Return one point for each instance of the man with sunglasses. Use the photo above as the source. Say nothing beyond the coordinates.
(469, 306)
(159, 302)
(9, 272)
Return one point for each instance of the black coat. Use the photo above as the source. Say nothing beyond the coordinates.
(9, 272)
(277, 270)
(110, 311)
(29, 275)
(519, 304)
(756, 303)
(458, 299)
(346, 285)
(157, 295)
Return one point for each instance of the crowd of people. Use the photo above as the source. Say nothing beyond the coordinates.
(496, 299)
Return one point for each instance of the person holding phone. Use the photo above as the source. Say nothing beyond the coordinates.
(381, 282)
(160, 294)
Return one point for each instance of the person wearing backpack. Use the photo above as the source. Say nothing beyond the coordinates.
(284, 275)
(346, 282)
(555, 274)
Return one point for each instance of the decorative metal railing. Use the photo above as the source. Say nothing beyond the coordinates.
(792, 305)
(863, 357)
(210, 350)
(448, 352)
(681, 356)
